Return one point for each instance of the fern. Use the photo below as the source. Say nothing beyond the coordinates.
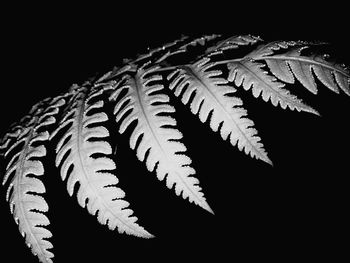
(97, 187)
(25, 188)
(205, 73)
(160, 140)
(211, 96)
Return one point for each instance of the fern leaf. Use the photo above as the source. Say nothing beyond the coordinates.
(250, 75)
(97, 191)
(24, 195)
(332, 75)
(203, 72)
(210, 95)
(25, 189)
(292, 63)
(160, 139)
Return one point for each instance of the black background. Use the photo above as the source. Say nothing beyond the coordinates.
(291, 209)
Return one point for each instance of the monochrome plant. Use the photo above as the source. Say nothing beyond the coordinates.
(204, 73)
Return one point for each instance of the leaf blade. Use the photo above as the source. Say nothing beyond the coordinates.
(210, 96)
(249, 74)
(162, 144)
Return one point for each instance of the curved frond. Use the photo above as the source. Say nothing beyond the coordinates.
(25, 189)
(204, 72)
(98, 190)
(293, 63)
(251, 75)
(211, 96)
(145, 103)
(24, 195)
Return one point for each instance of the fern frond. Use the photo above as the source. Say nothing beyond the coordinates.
(285, 66)
(204, 72)
(251, 75)
(211, 96)
(97, 191)
(25, 189)
(146, 103)
(332, 75)
(24, 195)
